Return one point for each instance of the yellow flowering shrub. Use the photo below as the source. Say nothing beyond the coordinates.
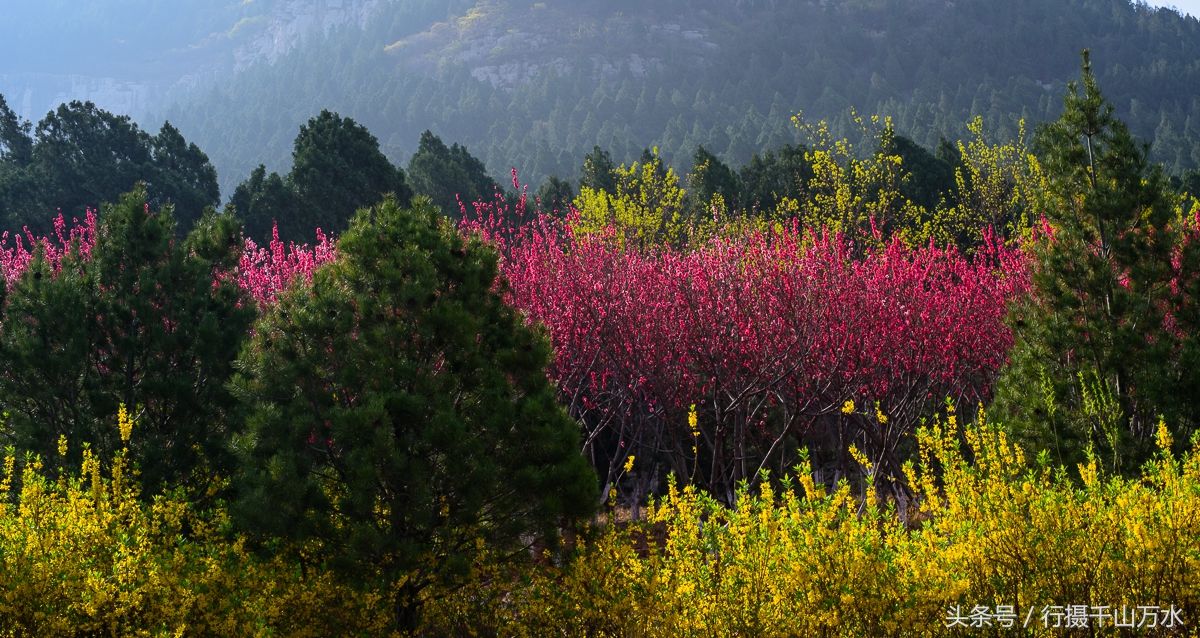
(799, 559)
(853, 192)
(646, 210)
(997, 186)
(82, 554)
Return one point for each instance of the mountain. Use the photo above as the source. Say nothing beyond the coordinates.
(537, 84)
(131, 56)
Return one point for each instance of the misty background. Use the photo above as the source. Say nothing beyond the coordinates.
(537, 85)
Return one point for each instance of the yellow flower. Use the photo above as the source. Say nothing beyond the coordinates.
(861, 458)
(1163, 436)
(879, 415)
(693, 420)
(62, 445)
(629, 464)
(848, 407)
(124, 423)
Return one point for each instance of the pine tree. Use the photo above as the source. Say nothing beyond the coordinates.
(262, 202)
(598, 171)
(400, 410)
(18, 196)
(709, 178)
(139, 323)
(1091, 338)
(337, 167)
(448, 175)
(183, 175)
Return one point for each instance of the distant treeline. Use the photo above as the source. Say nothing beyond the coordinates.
(79, 156)
(540, 84)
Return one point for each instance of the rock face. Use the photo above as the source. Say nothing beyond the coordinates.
(33, 95)
(506, 43)
(290, 22)
(502, 43)
(261, 31)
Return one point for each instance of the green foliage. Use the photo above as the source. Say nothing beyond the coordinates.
(141, 324)
(82, 156)
(400, 412)
(555, 195)
(598, 171)
(263, 200)
(768, 179)
(1093, 332)
(714, 185)
(183, 176)
(1188, 184)
(16, 155)
(646, 207)
(337, 168)
(88, 155)
(449, 175)
(930, 178)
(16, 145)
(727, 77)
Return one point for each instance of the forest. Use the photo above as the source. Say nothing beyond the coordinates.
(854, 384)
(541, 83)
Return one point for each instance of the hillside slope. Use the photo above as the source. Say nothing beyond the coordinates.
(538, 84)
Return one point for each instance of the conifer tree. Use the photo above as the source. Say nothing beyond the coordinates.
(139, 322)
(400, 410)
(336, 168)
(448, 175)
(711, 177)
(598, 172)
(1091, 340)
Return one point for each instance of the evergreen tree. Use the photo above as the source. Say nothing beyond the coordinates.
(448, 175)
(337, 168)
(1189, 183)
(930, 177)
(17, 191)
(1092, 336)
(555, 195)
(710, 177)
(651, 157)
(139, 323)
(184, 177)
(263, 200)
(767, 179)
(16, 145)
(598, 172)
(85, 155)
(399, 410)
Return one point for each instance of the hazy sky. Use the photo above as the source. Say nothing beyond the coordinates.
(1185, 6)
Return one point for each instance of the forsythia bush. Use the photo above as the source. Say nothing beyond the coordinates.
(647, 209)
(81, 554)
(806, 561)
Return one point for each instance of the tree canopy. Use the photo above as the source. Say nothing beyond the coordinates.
(134, 321)
(1093, 336)
(80, 156)
(337, 168)
(399, 409)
